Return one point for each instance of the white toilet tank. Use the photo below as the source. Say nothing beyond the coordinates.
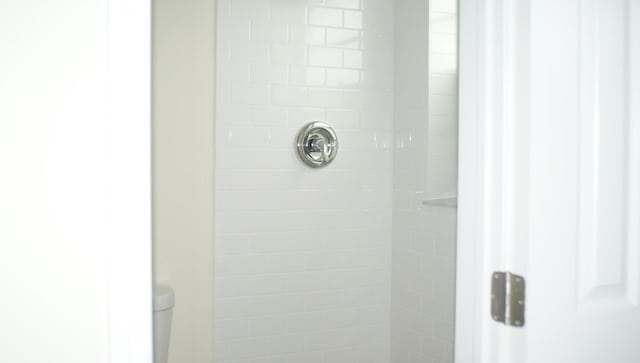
(163, 300)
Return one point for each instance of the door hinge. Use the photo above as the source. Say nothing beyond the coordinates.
(508, 298)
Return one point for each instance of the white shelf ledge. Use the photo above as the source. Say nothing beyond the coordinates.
(447, 202)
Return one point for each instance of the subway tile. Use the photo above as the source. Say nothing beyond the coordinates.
(343, 38)
(347, 4)
(354, 99)
(250, 94)
(289, 96)
(259, 347)
(443, 84)
(326, 98)
(234, 160)
(343, 78)
(235, 29)
(268, 325)
(444, 23)
(352, 59)
(249, 50)
(344, 355)
(325, 17)
(224, 9)
(287, 344)
(443, 122)
(325, 57)
(443, 43)
(307, 35)
(443, 105)
(309, 321)
(252, 306)
(232, 244)
(286, 11)
(264, 117)
(307, 281)
(288, 54)
(297, 117)
(307, 357)
(307, 76)
(269, 73)
(230, 329)
(443, 64)
(346, 119)
(262, 30)
(353, 19)
(250, 8)
(238, 286)
(444, 6)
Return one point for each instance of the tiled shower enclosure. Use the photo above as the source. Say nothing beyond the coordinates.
(354, 262)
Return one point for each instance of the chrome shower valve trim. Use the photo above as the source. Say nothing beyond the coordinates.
(317, 144)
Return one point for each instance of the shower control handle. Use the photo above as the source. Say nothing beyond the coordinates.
(317, 144)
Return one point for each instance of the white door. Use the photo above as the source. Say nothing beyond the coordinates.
(550, 178)
(75, 235)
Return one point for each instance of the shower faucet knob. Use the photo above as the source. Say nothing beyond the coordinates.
(317, 144)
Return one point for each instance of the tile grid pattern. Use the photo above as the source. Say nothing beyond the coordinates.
(302, 256)
(442, 153)
(423, 264)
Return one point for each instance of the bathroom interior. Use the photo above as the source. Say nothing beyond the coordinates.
(274, 261)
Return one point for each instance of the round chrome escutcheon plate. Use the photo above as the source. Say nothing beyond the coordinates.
(317, 144)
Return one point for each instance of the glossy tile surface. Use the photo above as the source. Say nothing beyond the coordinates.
(303, 255)
(344, 263)
(424, 237)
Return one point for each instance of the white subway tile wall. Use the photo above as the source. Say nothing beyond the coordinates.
(442, 151)
(423, 264)
(302, 256)
(425, 167)
(307, 269)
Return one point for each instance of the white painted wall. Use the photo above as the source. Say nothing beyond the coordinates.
(424, 238)
(183, 162)
(74, 181)
(303, 255)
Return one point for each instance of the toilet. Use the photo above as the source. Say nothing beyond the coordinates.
(163, 300)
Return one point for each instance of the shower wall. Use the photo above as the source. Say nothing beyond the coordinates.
(302, 256)
(354, 262)
(425, 182)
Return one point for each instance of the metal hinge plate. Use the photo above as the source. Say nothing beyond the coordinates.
(508, 298)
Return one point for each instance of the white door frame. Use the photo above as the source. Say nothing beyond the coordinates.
(493, 114)
(130, 274)
(469, 273)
